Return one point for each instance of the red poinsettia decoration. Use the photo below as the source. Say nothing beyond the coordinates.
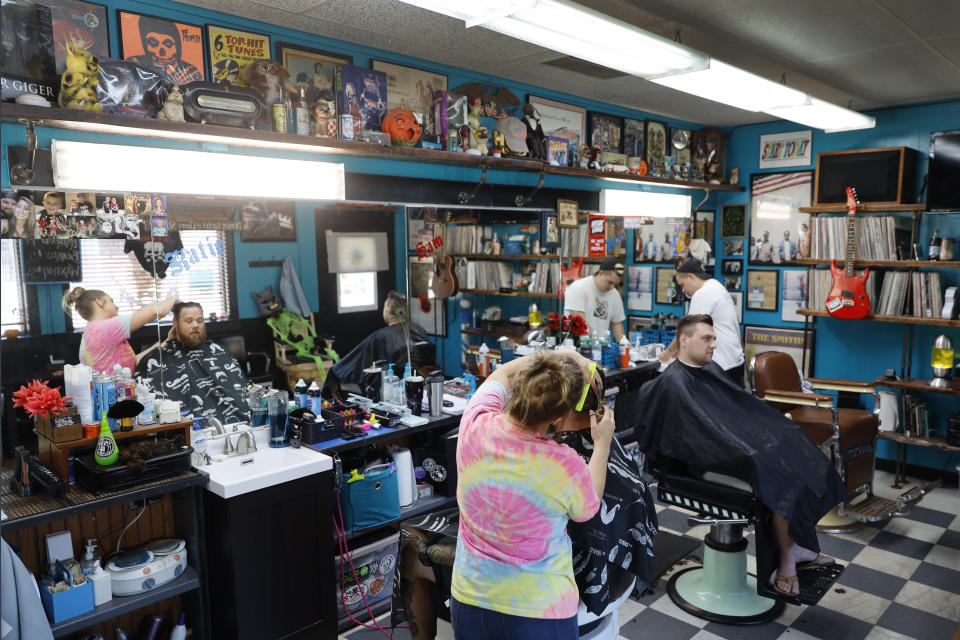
(38, 399)
(578, 325)
(563, 327)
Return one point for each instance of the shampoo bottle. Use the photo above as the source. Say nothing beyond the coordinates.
(300, 394)
(313, 399)
(106, 452)
(100, 580)
(180, 631)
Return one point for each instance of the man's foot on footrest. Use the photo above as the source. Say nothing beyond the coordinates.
(815, 582)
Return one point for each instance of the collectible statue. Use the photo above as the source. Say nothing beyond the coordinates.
(536, 140)
(173, 106)
(403, 128)
(78, 84)
(324, 119)
(473, 121)
(480, 137)
(269, 79)
(734, 176)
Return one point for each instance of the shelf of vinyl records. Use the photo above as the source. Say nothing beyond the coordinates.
(917, 295)
(895, 264)
(528, 256)
(939, 322)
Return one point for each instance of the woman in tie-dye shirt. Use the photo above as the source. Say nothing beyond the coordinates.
(513, 574)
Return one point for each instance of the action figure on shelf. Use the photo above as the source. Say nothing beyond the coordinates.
(536, 140)
(173, 106)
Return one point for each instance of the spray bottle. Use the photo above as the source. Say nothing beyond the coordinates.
(483, 360)
(624, 352)
(472, 379)
(106, 452)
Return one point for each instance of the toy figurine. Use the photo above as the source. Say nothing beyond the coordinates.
(173, 106)
(735, 176)
(480, 137)
(78, 84)
(498, 143)
(324, 120)
(473, 121)
(536, 140)
(269, 79)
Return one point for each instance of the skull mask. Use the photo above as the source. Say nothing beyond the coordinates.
(162, 48)
(153, 251)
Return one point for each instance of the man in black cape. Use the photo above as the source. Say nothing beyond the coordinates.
(694, 416)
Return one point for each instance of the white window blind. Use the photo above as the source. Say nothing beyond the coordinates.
(12, 296)
(108, 268)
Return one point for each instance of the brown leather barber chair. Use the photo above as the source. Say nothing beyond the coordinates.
(847, 436)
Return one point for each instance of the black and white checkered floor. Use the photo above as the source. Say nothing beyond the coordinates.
(902, 581)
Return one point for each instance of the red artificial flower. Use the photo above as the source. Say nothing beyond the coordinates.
(38, 399)
(553, 322)
(578, 326)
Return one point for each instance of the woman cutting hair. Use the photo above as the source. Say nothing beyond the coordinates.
(104, 341)
(516, 489)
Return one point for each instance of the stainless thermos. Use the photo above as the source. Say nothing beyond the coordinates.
(435, 389)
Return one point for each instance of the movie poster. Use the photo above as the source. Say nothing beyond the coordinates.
(175, 48)
(82, 24)
(232, 50)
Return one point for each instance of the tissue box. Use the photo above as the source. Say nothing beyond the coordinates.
(67, 604)
(60, 427)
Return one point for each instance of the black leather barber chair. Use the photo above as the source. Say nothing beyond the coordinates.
(255, 364)
(847, 436)
(721, 590)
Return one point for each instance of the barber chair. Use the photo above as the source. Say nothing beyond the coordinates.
(847, 436)
(237, 346)
(721, 590)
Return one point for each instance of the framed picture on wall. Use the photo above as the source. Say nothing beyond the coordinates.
(733, 221)
(778, 231)
(737, 297)
(230, 51)
(174, 47)
(660, 239)
(640, 288)
(703, 226)
(549, 230)
(794, 294)
(567, 213)
(762, 293)
(797, 343)
(81, 23)
(561, 120)
(733, 283)
(656, 142)
(733, 247)
(315, 68)
(425, 309)
(633, 138)
(606, 132)
(731, 267)
(667, 290)
(268, 221)
(411, 88)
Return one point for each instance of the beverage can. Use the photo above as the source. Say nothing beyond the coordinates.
(302, 117)
(346, 126)
(279, 118)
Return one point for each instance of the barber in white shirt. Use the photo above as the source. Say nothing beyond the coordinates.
(596, 299)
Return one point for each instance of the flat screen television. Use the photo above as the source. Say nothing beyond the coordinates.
(943, 174)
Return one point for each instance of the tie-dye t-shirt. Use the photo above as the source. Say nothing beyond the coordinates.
(516, 492)
(104, 344)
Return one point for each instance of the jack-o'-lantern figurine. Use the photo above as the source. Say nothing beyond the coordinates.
(402, 126)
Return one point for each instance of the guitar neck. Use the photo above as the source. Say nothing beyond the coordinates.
(851, 234)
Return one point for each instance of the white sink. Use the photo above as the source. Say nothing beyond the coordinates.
(263, 468)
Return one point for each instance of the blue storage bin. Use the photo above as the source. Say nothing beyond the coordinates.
(667, 336)
(371, 500)
(611, 356)
(66, 604)
(649, 336)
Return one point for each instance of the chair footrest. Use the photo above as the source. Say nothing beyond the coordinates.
(814, 583)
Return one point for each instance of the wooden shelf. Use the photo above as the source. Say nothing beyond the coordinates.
(517, 294)
(936, 442)
(938, 322)
(904, 264)
(504, 256)
(865, 208)
(138, 430)
(914, 384)
(97, 122)
(512, 332)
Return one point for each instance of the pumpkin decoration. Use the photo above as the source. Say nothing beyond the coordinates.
(402, 126)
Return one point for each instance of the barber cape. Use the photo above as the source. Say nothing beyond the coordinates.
(698, 416)
(207, 380)
(387, 343)
(620, 537)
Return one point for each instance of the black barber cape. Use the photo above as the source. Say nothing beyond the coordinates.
(387, 343)
(207, 380)
(620, 537)
(697, 416)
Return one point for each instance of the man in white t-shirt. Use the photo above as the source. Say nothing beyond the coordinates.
(709, 296)
(596, 299)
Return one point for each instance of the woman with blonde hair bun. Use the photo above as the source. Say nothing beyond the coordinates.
(104, 341)
(516, 489)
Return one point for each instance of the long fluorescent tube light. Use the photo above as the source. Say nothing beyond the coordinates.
(730, 85)
(826, 116)
(647, 204)
(103, 167)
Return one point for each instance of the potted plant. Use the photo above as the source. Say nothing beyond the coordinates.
(53, 416)
(563, 327)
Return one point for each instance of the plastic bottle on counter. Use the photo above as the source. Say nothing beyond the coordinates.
(596, 350)
(391, 386)
(180, 631)
(100, 580)
(313, 398)
(483, 360)
(91, 559)
(300, 394)
(129, 385)
(149, 401)
(624, 352)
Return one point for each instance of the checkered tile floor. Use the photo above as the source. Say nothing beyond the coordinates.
(902, 581)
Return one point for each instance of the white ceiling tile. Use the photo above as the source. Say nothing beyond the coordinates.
(928, 19)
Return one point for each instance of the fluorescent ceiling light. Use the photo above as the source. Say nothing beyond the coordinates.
(725, 83)
(103, 167)
(618, 202)
(474, 13)
(826, 116)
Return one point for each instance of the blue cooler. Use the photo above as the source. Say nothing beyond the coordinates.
(371, 498)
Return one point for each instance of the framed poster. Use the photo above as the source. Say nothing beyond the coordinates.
(679, 148)
(567, 213)
(268, 221)
(794, 342)
(731, 267)
(640, 288)
(762, 294)
(314, 69)
(703, 225)
(793, 149)
(733, 221)
(794, 294)
(410, 88)
(549, 230)
(176, 48)
(661, 239)
(561, 120)
(656, 137)
(84, 24)
(733, 284)
(606, 132)
(737, 297)
(667, 290)
(423, 225)
(597, 238)
(633, 138)
(733, 247)
(425, 309)
(778, 231)
(230, 51)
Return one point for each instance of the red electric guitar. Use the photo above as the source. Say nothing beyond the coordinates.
(569, 275)
(848, 297)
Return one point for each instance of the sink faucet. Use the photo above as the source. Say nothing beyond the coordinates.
(228, 449)
(246, 443)
(217, 425)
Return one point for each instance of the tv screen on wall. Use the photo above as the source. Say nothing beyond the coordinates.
(943, 182)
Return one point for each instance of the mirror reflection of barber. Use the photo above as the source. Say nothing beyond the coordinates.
(200, 374)
(596, 299)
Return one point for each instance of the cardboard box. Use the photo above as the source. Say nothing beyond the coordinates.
(60, 427)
